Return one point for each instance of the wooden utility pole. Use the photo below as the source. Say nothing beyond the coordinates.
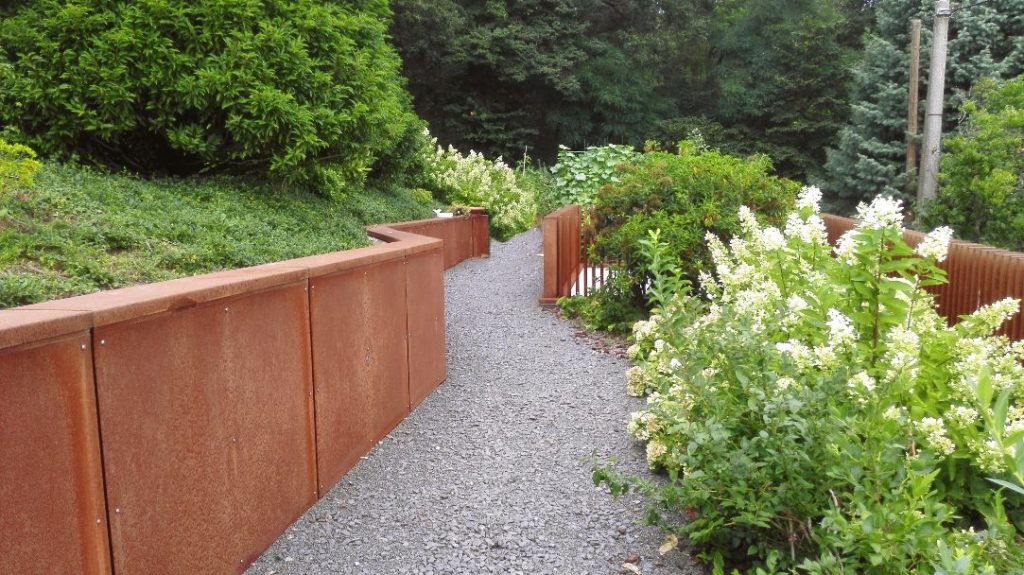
(915, 72)
(928, 181)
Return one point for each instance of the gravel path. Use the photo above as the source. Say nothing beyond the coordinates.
(491, 474)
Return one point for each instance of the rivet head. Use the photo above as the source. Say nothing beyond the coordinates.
(83, 346)
(225, 309)
(103, 342)
(117, 510)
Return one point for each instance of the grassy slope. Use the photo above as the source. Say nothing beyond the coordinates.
(80, 230)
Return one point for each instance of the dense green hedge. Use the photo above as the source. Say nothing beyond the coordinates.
(685, 195)
(174, 86)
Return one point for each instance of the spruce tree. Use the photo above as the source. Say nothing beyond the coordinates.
(986, 40)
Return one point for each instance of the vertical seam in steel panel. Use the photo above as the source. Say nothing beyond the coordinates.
(103, 459)
(408, 334)
(312, 383)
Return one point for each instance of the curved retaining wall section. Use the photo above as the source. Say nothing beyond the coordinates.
(180, 427)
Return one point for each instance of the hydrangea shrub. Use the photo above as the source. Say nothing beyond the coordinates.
(473, 180)
(814, 414)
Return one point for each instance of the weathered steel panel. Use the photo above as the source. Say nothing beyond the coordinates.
(426, 324)
(207, 419)
(52, 514)
(360, 362)
(481, 233)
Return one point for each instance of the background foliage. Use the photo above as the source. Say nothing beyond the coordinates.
(984, 41)
(982, 172)
(506, 75)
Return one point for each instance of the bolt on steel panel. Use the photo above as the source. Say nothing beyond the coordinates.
(52, 513)
(208, 440)
(360, 362)
(425, 293)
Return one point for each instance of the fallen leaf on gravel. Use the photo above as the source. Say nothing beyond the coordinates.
(671, 542)
(633, 559)
(630, 568)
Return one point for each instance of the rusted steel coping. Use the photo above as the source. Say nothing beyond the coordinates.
(55, 318)
(19, 326)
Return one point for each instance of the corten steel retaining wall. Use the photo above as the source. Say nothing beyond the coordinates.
(180, 427)
(977, 274)
(562, 231)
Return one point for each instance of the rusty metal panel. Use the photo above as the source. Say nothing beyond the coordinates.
(52, 513)
(481, 232)
(465, 232)
(208, 441)
(425, 293)
(360, 362)
(549, 291)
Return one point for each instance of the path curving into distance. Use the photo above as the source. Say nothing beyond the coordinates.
(491, 473)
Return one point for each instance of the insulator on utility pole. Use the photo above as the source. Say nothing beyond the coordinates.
(931, 145)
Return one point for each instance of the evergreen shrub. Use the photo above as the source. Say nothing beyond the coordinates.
(302, 90)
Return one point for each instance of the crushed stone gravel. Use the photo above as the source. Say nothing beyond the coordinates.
(492, 472)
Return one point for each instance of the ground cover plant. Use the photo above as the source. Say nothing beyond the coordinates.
(77, 230)
(813, 414)
(685, 195)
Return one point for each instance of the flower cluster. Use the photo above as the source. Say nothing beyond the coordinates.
(473, 180)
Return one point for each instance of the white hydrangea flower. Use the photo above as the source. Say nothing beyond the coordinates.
(636, 381)
(882, 213)
(935, 245)
(824, 357)
(796, 304)
(674, 364)
(991, 316)
(739, 248)
(708, 284)
(846, 248)
(708, 372)
(934, 430)
(642, 329)
(748, 222)
(719, 255)
(785, 383)
(903, 347)
(772, 240)
(895, 413)
(840, 329)
(809, 197)
(801, 355)
(990, 456)
(633, 352)
(863, 381)
(963, 416)
(637, 427)
(810, 231)
(655, 451)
